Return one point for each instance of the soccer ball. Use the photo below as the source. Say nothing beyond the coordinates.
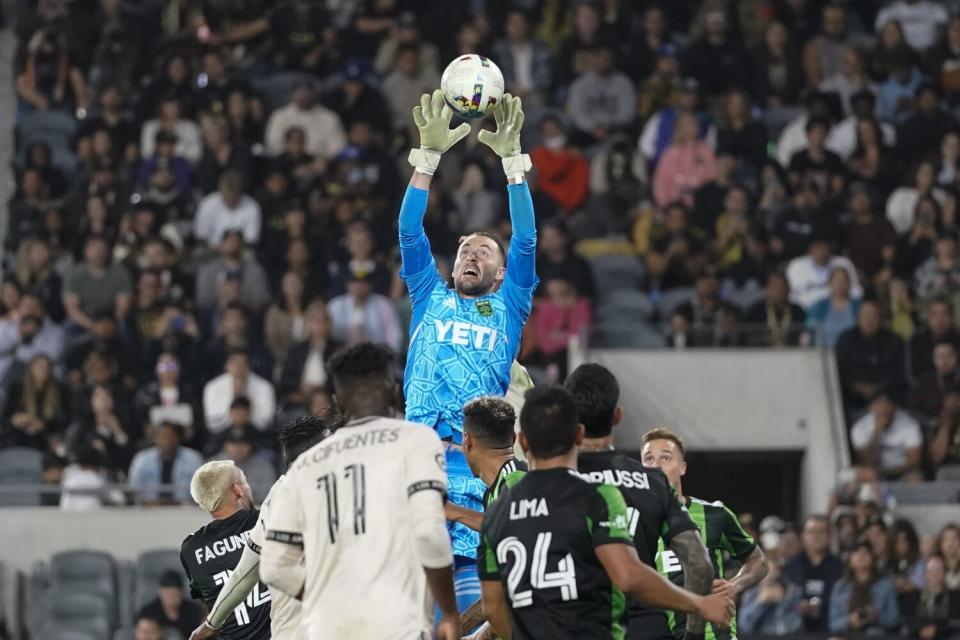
(471, 85)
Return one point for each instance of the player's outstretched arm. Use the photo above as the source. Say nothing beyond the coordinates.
(697, 571)
(466, 517)
(505, 142)
(495, 608)
(244, 577)
(631, 576)
(432, 117)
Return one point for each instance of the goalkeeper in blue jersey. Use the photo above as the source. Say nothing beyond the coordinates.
(463, 340)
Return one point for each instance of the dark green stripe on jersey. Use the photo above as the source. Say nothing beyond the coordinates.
(723, 536)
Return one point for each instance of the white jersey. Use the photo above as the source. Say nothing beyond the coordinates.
(347, 499)
(284, 610)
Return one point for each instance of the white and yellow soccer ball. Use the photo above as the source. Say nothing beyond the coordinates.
(472, 84)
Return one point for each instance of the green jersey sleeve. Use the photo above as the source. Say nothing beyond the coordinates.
(487, 560)
(734, 539)
(607, 517)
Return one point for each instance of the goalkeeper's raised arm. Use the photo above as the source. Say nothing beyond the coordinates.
(464, 340)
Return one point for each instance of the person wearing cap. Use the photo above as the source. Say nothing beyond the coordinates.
(325, 134)
(165, 151)
(170, 609)
(602, 100)
(355, 99)
(189, 140)
(407, 35)
(924, 129)
(362, 315)
(254, 285)
(657, 133)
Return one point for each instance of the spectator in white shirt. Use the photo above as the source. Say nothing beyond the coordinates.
(921, 21)
(85, 481)
(238, 380)
(809, 275)
(189, 136)
(227, 208)
(360, 315)
(324, 131)
(888, 440)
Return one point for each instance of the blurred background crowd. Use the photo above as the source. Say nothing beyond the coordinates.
(205, 207)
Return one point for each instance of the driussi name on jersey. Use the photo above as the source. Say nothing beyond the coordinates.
(221, 548)
(466, 334)
(618, 478)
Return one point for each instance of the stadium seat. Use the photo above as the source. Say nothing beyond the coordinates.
(949, 473)
(126, 591)
(79, 610)
(672, 299)
(92, 572)
(615, 273)
(54, 633)
(20, 465)
(626, 304)
(56, 125)
(130, 633)
(621, 334)
(150, 566)
(276, 88)
(924, 493)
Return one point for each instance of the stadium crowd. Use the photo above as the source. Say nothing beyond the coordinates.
(206, 198)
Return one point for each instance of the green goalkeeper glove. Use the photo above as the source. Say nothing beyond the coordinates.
(505, 141)
(432, 117)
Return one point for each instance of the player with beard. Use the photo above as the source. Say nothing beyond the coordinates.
(652, 506)
(556, 557)
(463, 340)
(284, 611)
(357, 530)
(720, 531)
(210, 555)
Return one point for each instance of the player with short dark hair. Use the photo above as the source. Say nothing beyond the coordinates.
(720, 531)
(360, 517)
(555, 553)
(652, 506)
(285, 611)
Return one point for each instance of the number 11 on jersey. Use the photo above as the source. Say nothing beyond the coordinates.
(356, 474)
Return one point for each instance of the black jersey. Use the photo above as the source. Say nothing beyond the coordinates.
(538, 540)
(653, 512)
(209, 556)
(723, 536)
(495, 489)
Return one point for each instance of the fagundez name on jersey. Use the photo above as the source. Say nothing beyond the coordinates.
(210, 554)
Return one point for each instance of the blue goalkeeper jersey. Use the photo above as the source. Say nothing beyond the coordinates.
(462, 348)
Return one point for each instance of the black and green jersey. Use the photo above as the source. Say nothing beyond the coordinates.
(516, 468)
(538, 540)
(653, 513)
(723, 536)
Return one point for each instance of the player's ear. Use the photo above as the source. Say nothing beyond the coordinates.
(581, 433)
(513, 439)
(524, 445)
(683, 468)
(618, 415)
(501, 271)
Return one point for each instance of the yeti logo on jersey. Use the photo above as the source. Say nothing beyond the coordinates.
(466, 334)
(484, 308)
(533, 508)
(669, 561)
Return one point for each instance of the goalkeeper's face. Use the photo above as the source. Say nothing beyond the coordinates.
(479, 267)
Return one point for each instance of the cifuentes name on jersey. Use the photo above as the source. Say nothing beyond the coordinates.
(618, 478)
(465, 334)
